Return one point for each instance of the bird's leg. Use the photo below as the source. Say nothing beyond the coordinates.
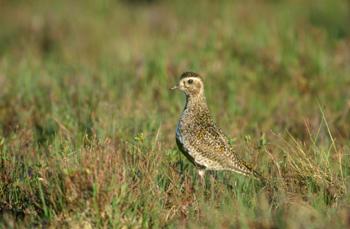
(213, 178)
(201, 173)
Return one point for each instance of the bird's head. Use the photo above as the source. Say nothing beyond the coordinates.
(190, 83)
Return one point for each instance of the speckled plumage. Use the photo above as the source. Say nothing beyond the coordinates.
(198, 137)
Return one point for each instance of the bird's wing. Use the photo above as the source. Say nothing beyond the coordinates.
(214, 146)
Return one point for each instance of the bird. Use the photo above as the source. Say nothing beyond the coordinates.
(198, 137)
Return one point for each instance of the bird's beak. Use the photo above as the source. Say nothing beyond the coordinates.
(174, 88)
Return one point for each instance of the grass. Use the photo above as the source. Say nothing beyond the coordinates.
(87, 121)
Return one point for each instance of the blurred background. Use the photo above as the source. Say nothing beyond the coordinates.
(80, 79)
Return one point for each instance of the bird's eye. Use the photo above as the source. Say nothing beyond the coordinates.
(190, 81)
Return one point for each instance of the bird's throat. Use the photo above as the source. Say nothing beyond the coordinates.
(196, 103)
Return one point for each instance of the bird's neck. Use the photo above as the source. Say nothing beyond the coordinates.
(196, 103)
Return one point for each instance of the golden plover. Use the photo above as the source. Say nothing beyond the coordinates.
(197, 136)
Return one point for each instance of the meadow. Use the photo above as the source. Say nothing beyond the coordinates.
(87, 120)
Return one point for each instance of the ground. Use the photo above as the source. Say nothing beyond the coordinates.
(87, 120)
